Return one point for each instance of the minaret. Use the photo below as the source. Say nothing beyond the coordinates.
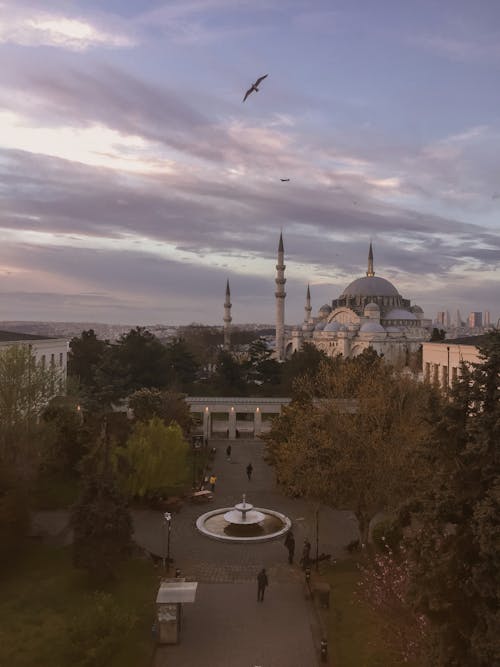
(370, 271)
(308, 308)
(227, 318)
(280, 295)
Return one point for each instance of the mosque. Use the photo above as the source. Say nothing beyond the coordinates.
(370, 312)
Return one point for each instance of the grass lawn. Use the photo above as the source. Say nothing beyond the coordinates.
(354, 633)
(43, 591)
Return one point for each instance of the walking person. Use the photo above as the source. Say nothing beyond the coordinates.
(212, 480)
(228, 452)
(249, 471)
(306, 554)
(262, 584)
(290, 545)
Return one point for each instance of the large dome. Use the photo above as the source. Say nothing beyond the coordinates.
(370, 286)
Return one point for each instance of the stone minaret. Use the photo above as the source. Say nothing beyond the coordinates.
(227, 318)
(370, 271)
(280, 295)
(308, 308)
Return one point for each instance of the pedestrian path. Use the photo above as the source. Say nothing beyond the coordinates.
(226, 626)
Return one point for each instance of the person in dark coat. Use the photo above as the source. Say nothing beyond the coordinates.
(228, 452)
(249, 471)
(262, 584)
(306, 554)
(290, 545)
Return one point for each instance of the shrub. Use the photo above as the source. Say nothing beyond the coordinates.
(387, 533)
(97, 631)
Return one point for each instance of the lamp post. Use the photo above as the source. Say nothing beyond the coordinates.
(167, 527)
(317, 539)
(196, 446)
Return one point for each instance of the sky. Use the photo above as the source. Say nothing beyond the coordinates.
(134, 181)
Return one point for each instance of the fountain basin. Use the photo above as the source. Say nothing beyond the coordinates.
(214, 525)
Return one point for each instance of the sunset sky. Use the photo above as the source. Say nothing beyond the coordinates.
(134, 181)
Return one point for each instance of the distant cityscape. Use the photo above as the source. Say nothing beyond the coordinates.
(111, 332)
(456, 325)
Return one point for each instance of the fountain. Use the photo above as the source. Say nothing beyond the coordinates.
(243, 523)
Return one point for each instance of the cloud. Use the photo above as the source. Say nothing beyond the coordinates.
(28, 26)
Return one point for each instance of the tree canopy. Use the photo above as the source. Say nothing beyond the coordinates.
(157, 458)
(453, 522)
(101, 522)
(354, 446)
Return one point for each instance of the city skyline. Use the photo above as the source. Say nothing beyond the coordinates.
(135, 182)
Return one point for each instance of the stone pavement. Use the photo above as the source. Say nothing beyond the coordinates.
(226, 626)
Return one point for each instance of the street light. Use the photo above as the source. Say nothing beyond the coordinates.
(196, 444)
(168, 527)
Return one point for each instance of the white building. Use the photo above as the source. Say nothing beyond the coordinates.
(370, 313)
(48, 352)
(441, 361)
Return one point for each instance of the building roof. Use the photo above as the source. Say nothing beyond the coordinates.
(14, 337)
(370, 286)
(476, 341)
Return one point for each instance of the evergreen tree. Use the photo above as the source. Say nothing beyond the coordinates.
(182, 367)
(169, 406)
(101, 521)
(85, 355)
(454, 534)
(229, 378)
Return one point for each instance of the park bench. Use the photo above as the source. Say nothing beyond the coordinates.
(202, 496)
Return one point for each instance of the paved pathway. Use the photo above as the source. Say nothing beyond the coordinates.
(226, 626)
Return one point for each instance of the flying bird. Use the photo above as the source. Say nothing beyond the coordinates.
(284, 180)
(254, 86)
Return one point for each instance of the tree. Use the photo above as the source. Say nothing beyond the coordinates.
(354, 447)
(305, 361)
(228, 379)
(453, 532)
(25, 388)
(101, 522)
(86, 352)
(437, 335)
(67, 440)
(263, 371)
(182, 367)
(157, 457)
(137, 360)
(169, 406)
(383, 586)
(14, 514)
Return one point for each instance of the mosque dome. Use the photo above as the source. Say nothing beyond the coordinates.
(332, 326)
(398, 314)
(372, 311)
(372, 327)
(325, 309)
(370, 286)
(320, 326)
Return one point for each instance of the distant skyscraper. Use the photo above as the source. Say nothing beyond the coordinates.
(486, 318)
(447, 319)
(475, 320)
(458, 320)
(440, 318)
